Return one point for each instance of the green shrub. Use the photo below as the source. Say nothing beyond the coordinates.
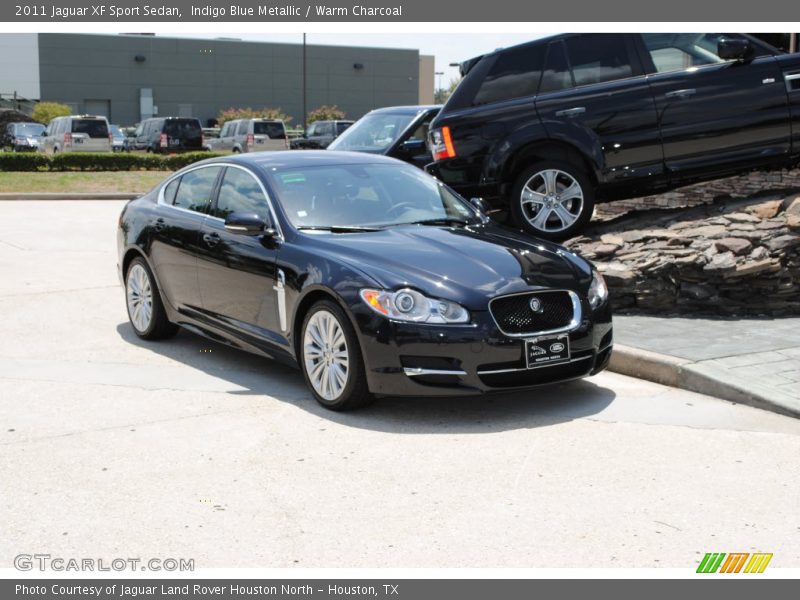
(229, 114)
(44, 112)
(100, 161)
(325, 113)
(23, 161)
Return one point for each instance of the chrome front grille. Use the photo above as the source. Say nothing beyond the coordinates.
(558, 310)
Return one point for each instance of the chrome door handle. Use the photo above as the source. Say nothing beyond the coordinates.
(571, 112)
(211, 239)
(681, 93)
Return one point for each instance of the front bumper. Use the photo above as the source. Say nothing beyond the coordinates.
(405, 359)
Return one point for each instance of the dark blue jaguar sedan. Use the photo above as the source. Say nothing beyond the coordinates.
(370, 275)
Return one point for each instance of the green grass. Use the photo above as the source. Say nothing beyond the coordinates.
(73, 182)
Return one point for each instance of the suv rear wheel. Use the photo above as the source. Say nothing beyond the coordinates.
(552, 200)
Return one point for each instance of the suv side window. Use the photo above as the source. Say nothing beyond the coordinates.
(679, 51)
(195, 188)
(515, 74)
(242, 128)
(240, 192)
(598, 57)
(556, 75)
(324, 128)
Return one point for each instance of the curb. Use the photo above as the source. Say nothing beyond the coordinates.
(12, 196)
(697, 377)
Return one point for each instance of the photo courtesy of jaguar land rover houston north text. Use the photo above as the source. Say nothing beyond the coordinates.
(367, 273)
(550, 127)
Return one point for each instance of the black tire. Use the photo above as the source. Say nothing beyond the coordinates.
(524, 213)
(159, 326)
(355, 393)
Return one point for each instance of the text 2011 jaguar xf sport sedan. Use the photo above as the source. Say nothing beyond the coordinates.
(370, 275)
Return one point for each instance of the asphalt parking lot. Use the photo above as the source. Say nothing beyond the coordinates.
(113, 447)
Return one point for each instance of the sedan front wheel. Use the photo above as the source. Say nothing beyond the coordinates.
(331, 358)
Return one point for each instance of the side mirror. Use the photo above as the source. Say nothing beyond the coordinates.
(734, 49)
(480, 204)
(247, 224)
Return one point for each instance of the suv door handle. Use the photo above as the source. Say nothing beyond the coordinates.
(571, 112)
(681, 93)
(211, 239)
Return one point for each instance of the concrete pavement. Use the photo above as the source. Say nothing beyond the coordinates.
(752, 361)
(112, 447)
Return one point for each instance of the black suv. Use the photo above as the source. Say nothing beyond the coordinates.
(319, 135)
(550, 127)
(167, 135)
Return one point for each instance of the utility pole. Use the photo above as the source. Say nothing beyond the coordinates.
(305, 105)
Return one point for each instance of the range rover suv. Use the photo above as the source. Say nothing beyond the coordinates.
(548, 128)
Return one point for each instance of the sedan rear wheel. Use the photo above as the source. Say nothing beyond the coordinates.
(145, 309)
(331, 358)
(553, 200)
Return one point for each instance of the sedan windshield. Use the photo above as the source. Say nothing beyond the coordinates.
(373, 133)
(31, 129)
(367, 196)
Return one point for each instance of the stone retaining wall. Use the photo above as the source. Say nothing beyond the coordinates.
(704, 193)
(727, 257)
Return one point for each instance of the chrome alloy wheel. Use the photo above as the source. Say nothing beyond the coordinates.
(551, 200)
(139, 292)
(325, 355)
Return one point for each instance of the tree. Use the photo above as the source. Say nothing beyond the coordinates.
(441, 95)
(229, 114)
(44, 112)
(326, 113)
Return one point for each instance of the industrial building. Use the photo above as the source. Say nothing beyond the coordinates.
(131, 77)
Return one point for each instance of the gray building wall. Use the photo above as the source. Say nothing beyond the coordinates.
(92, 71)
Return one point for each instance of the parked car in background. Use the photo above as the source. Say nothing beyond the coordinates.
(550, 127)
(251, 135)
(363, 271)
(117, 138)
(397, 131)
(21, 137)
(167, 135)
(319, 135)
(76, 133)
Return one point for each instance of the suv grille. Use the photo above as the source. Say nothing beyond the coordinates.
(514, 315)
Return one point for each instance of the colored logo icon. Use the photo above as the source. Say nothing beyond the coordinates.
(735, 562)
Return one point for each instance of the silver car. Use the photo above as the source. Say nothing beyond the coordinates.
(76, 133)
(251, 135)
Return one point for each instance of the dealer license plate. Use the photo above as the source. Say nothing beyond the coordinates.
(548, 350)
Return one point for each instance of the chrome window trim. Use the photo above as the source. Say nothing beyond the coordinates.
(554, 364)
(273, 215)
(577, 314)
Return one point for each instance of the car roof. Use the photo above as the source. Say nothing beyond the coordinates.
(293, 159)
(408, 110)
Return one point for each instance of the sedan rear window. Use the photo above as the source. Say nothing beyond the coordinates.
(94, 128)
(273, 131)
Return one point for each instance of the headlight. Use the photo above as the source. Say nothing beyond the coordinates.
(410, 305)
(598, 291)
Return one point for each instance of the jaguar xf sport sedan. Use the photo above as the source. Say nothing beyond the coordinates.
(371, 276)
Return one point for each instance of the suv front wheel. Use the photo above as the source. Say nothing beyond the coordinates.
(553, 200)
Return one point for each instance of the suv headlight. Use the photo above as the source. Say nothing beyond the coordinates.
(598, 290)
(410, 305)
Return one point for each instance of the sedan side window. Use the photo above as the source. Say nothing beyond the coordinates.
(195, 189)
(240, 192)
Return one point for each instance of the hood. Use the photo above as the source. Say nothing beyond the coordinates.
(468, 265)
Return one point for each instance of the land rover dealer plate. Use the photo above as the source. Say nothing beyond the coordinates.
(548, 350)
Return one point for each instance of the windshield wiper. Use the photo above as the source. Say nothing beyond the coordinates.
(440, 221)
(338, 228)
